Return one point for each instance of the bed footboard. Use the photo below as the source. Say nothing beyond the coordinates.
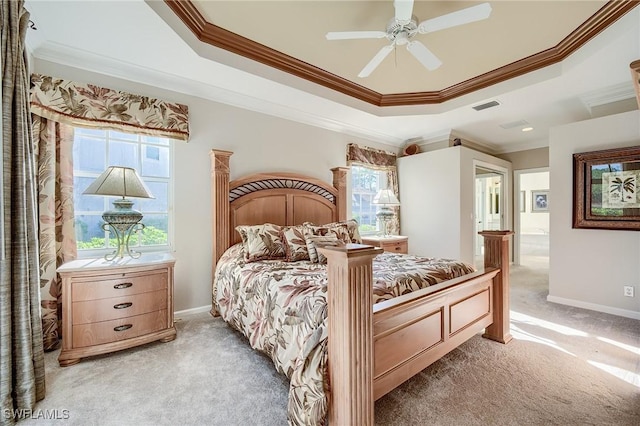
(372, 351)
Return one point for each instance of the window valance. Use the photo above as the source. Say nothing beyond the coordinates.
(88, 105)
(370, 157)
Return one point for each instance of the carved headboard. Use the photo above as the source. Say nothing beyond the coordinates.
(280, 198)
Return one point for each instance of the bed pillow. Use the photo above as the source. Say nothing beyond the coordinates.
(262, 242)
(351, 226)
(295, 245)
(313, 241)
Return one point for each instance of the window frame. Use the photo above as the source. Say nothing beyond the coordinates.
(107, 201)
(381, 184)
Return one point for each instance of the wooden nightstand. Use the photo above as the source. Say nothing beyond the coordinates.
(392, 243)
(109, 306)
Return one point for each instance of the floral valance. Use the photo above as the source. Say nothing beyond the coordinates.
(87, 105)
(369, 156)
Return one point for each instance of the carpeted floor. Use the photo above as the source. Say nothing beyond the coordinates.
(565, 366)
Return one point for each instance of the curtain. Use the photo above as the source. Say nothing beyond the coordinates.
(380, 160)
(22, 376)
(53, 144)
(87, 105)
(57, 105)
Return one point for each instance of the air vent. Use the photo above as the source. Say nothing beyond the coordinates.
(486, 105)
(514, 124)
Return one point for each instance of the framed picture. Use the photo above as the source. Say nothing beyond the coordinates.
(605, 189)
(540, 201)
(523, 201)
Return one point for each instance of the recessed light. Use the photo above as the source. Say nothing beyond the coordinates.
(527, 129)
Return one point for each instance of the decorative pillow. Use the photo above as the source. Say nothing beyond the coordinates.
(339, 231)
(313, 241)
(295, 245)
(352, 227)
(262, 242)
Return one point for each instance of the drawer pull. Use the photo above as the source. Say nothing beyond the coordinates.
(122, 327)
(122, 305)
(122, 285)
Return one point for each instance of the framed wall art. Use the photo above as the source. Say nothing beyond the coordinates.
(605, 189)
(540, 201)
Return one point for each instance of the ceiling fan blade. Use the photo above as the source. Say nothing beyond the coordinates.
(351, 35)
(404, 10)
(424, 55)
(373, 64)
(460, 17)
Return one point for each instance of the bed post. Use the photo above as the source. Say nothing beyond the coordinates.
(340, 183)
(219, 203)
(350, 331)
(496, 255)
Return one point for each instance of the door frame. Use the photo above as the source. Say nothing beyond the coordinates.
(505, 196)
(516, 208)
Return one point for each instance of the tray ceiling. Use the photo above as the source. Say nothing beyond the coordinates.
(518, 37)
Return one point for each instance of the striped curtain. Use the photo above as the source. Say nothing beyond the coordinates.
(22, 375)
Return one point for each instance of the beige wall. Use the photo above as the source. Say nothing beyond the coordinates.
(260, 143)
(589, 267)
(529, 159)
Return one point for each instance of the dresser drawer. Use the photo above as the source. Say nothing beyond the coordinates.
(89, 311)
(120, 329)
(117, 285)
(395, 246)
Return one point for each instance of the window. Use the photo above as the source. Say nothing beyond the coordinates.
(365, 183)
(93, 151)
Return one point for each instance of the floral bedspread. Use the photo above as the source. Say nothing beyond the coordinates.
(281, 308)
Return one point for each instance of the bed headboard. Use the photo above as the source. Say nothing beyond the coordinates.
(280, 198)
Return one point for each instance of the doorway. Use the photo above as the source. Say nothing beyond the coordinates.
(490, 205)
(532, 218)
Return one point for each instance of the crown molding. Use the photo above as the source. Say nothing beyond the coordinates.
(89, 61)
(227, 40)
(618, 92)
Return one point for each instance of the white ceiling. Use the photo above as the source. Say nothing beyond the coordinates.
(144, 41)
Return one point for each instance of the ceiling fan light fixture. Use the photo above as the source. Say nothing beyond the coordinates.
(404, 26)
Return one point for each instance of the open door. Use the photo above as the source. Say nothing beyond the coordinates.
(489, 205)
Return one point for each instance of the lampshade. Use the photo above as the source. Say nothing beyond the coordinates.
(386, 197)
(123, 221)
(122, 181)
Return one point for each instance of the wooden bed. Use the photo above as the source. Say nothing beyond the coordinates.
(370, 351)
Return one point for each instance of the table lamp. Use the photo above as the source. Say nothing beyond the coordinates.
(122, 220)
(386, 199)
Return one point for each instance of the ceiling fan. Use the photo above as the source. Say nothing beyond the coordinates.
(404, 26)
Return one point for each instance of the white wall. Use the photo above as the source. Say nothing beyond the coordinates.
(533, 222)
(260, 143)
(589, 267)
(430, 212)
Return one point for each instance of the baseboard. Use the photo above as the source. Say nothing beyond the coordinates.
(184, 314)
(594, 307)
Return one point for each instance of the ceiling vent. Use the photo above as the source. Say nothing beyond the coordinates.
(490, 104)
(514, 124)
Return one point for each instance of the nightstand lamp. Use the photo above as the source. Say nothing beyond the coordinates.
(122, 220)
(386, 199)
